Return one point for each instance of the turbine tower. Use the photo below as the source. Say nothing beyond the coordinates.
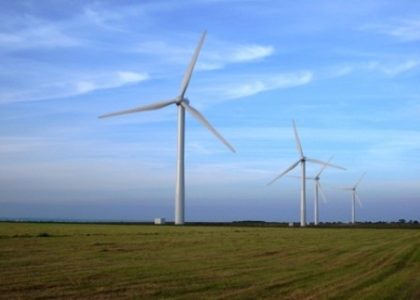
(318, 190)
(302, 161)
(183, 105)
(354, 197)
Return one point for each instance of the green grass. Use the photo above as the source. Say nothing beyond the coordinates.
(193, 262)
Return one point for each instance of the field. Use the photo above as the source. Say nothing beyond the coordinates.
(207, 262)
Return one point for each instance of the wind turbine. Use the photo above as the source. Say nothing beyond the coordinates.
(183, 105)
(302, 161)
(318, 190)
(355, 197)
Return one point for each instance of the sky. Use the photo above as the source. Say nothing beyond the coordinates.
(346, 71)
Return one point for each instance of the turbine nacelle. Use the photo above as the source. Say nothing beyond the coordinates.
(183, 100)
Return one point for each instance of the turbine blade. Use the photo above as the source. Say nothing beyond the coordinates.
(196, 114)
(285, 172)
(321, 190)
(152, 106)
(316, 161)
(360, 179)
(189, 71)
(358, 200)
(344, 188)
(324, 166)
(299, 177)
(298, 143)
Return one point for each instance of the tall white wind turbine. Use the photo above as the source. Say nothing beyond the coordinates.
(302, 161)
(354, 197)
(183, 105)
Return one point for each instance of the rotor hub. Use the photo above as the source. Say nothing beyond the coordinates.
(179, 101)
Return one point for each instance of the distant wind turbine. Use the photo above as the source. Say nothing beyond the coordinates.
(318, 190)
(355, 197)
(302, 161)
(183, 105)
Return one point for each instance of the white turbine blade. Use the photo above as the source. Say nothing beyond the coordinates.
(299, 177)
(360, 179)
(298, 143)
(324, 167)
(196, 114)
(189, 71)
(344, 188)
(321, 190)
(316, 161)
(285, 172)
(358, 200)
(153, 106)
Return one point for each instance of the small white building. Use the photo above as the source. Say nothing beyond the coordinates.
(159, 221)
(291, 224)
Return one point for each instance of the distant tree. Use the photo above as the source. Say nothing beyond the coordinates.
(401, 221)
(416, 222)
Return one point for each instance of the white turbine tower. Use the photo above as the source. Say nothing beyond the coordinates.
(354, 197)
(318, 190)
(183, 105)
(302, 161)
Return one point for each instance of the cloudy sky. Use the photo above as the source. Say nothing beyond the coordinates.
(347, 71)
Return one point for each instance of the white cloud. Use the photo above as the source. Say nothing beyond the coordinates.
(111, 80)
(407, 30)
(267, 83)
(101, 17)
(117, 79)
(387, 68)
(38, 36)
(76, 85)
(125, 77)
(225, 54)
(393, 69)
(341, 71)
(248, 53)
(215, 55)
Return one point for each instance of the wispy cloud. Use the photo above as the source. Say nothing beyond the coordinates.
(390, 69)
(234, 54)
(215, 55)
(407, 30)
(38, 34)
(265, 83)
(113, 80)
(77, 84)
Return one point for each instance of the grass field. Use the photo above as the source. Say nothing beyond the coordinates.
(139, 261)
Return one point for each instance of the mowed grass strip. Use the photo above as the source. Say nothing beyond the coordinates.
(193, 262)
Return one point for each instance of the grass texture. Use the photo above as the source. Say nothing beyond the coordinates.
(207, 262)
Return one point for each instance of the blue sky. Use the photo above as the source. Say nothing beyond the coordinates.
(346, 71)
